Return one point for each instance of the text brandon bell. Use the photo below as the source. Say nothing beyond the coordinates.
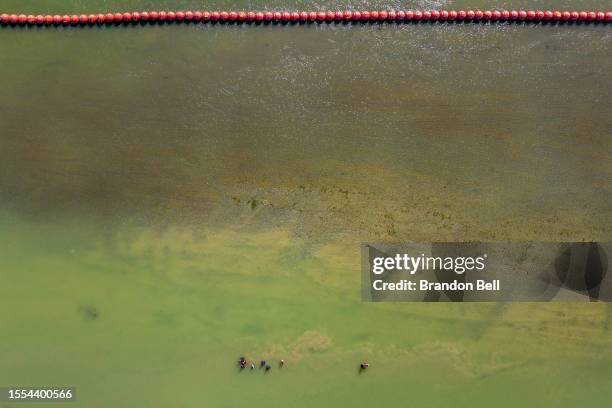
(422, 284)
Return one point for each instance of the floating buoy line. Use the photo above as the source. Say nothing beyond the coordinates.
(136, 18)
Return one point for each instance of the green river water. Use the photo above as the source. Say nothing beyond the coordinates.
(173, 197)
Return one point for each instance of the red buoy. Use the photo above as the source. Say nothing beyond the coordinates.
(320, 16)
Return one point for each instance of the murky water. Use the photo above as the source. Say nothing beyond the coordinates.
(172, 197)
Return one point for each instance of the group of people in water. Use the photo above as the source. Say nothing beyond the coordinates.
(243, 364)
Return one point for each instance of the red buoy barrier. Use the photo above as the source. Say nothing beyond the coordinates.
(309, 17)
